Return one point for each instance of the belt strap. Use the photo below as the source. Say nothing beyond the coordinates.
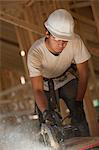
(73, 66)
(52, 93)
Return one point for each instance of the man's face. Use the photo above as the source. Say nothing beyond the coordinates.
(55, 44)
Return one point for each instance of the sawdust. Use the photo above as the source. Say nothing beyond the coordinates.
(22, 136)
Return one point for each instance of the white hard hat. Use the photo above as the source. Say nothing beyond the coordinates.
(60, 24)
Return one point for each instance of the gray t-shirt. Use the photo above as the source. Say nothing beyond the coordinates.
(41, 62)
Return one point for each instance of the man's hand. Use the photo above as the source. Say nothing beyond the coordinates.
(79, 114)
(51, 117)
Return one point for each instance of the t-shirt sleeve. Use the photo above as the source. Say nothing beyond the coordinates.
(34, 62)
(81, 53)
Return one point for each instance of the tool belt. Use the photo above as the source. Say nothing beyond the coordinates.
(50, 81)
(72, 69)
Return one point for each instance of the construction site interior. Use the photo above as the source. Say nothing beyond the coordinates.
(21, 23)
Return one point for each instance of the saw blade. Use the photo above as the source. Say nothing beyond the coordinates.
(49, 137)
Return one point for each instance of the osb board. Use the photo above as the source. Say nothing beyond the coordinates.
(82, 143)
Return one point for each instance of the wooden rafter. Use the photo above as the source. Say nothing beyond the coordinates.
(95, 8)
(88, 100)
(21, 41)
(94, 51)
(20, 23)
(11, 2)
(28, 15)
(14, 89)
(80, 4)
(30, 2)
(83, 19)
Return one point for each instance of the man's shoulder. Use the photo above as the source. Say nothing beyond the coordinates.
(38, 43)
(37, 46)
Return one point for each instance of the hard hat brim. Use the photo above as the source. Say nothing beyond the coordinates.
(58, 36)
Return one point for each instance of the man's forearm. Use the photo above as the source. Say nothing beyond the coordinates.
(41, 100)
(83, 79)
(82, 85)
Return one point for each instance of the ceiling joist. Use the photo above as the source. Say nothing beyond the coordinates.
(20, 23)
(94, 51)
(12, 2)
(83, 19)
(30, 2)
(80, 5)
(95, 8)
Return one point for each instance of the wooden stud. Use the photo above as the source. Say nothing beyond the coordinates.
(95, 8)
(21, 44)
(91, 114)
(20, 23)
(80, 5)
(28, 17)
(83, 19)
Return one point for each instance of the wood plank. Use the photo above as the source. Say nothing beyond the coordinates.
(5, 30)
(21, 44)
(28, 15)
(89, 110)
(92, 72)
(80, 5)
(83, 19)
(94, 51)
(10, 57)
(21, 23)
(11, 2)
(91, 114)
(95, 8)
(82, 143)
(14, 89)
(30, 2)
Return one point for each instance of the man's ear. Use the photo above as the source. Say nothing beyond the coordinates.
(47, 34)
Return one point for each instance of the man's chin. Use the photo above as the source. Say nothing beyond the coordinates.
(59, 51)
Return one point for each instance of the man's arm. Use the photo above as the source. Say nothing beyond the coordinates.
(38, 90)
(83, 78)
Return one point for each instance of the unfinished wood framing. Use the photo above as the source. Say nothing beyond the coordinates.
(95, 8)
(22, 45)
(29, 19)
(80, 4)
(88, 101)
(28, 23)
(20, 23)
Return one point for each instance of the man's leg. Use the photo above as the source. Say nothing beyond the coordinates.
(68, 94)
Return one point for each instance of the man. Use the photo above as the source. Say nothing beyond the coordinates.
(51, 57)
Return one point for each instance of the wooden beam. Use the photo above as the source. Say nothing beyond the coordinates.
(94, 51)
(90, 36)
(80, 5)
(20, 40)
(29, 19)
(91, 114)
(11, 2)
(21, 23)
(95, 8)
(90, 65)
(92, 72)
(30, 2)
(83, 19)
(87, 99)
(14, 89)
